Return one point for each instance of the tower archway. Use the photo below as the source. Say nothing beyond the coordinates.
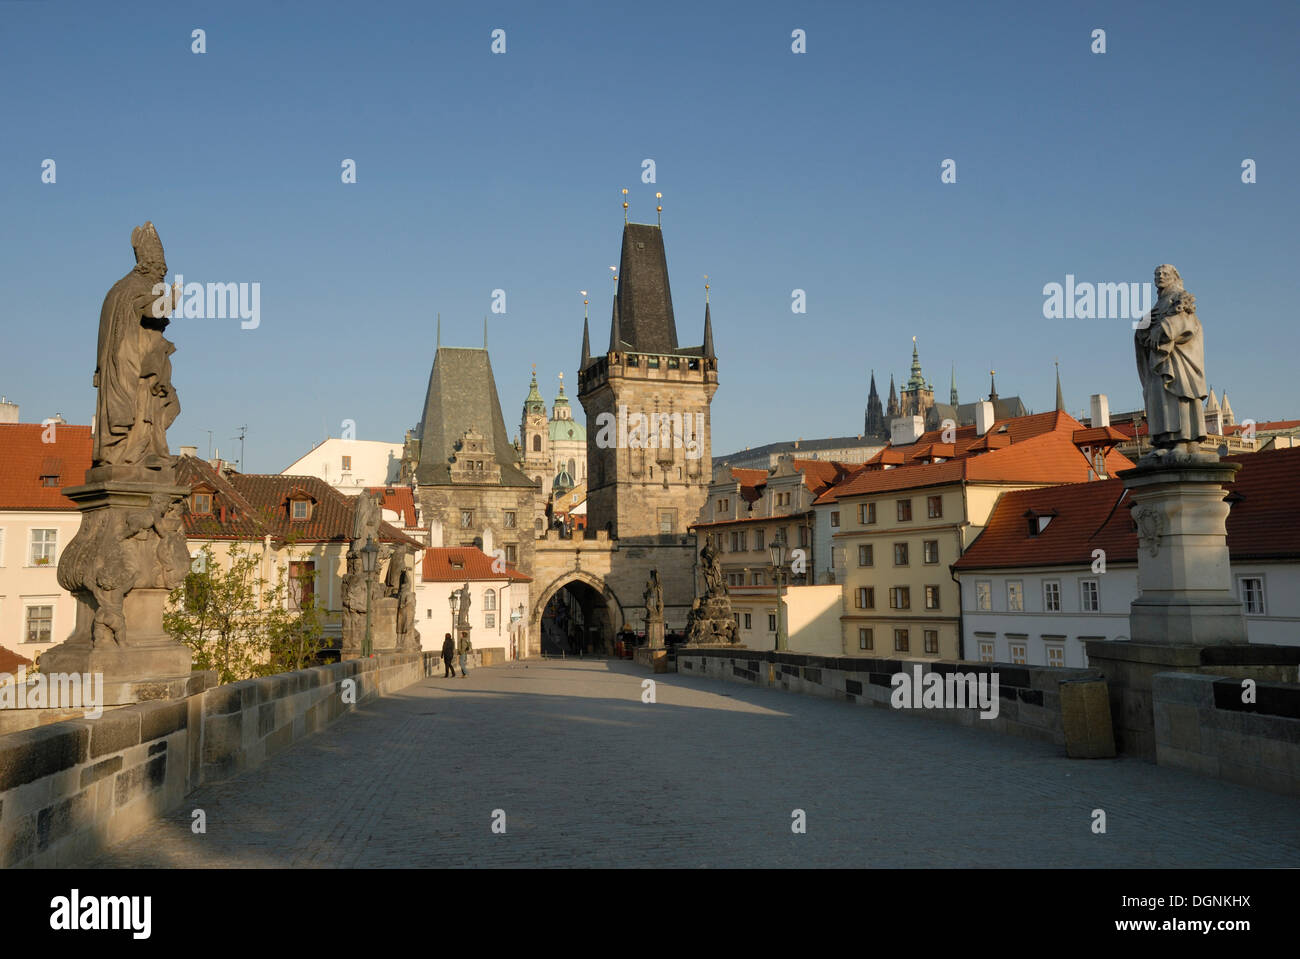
(577, 614)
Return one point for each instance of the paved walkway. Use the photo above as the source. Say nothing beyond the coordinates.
(588, 775)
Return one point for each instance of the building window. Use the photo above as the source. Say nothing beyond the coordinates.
(983, 594)
(865, 557)
(934, 506)
(300, 509)
(804, 534)
(932, 597)
(537, 443)
(1018, 654)
(347, 463)
(932, 641)
(744, 539)
(202, 503)
(900, 554)
(44, 546)
(302, 583)
(1055, 655)
(901, 644)
(758, 579)
(466, 519)
(904, 510)
(489, 600)
(508, 521)
(900, 597)
(539, 525)
(835, 519)
(1250, 590)
(512, 553)
(749, 621)
(1089, 596)
(722, 505)
(40, 624)
(758, 539)
(50, 479)
(735, 542)
(489, 620)
(930, 550)
(865, 638)
(866, 597)
(1051, 596)
(771, 622)
(1015, 596)
(986, 651)
(867, 514)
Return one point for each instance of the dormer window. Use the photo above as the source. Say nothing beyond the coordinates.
(201, 503)
(1037, 521)
(300, 509)
(50, 479)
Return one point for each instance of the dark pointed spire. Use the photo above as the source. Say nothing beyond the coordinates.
(615, 334)
(952, 390)
(993, 387)
(708, 332)
(586, 346)
(892, 409)
(875, 422)
(1060, 398)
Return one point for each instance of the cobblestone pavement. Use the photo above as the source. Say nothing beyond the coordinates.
(709, 775)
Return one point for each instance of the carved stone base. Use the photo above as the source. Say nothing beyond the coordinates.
(654, 633)
(146, 664)
(1184, 580)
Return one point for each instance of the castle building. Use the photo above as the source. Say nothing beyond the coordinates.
(648, 466)
(471, 485)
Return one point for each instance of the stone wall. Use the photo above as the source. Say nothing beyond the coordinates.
(1029, 697)
(1201, 724)
(70, 789)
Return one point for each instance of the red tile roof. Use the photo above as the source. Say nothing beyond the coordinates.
(459, 564)
(399, 499)
(251, 505)
(9, 660)
(1262, 523)
(1275, 426)
(1025, 449)
(24, 459)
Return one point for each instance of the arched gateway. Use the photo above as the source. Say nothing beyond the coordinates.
(576, 613)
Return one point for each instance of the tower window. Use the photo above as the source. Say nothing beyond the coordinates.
(537, 443)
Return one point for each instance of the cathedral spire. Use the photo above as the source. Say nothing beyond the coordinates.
(952, 391)
(917, 381)
(892, 409)
(1060, 398)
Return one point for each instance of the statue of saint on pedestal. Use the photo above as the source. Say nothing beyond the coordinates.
(654, 598)
(136, 402)
(1171, 365)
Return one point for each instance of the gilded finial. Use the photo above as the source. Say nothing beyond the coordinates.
(585, 301)
(706, 288)
(660, 209)
(614, 271)
(624, 204)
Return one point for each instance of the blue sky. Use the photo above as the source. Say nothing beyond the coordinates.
(780, 171)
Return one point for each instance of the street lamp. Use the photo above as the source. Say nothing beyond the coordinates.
(777, 551)
(369, 554)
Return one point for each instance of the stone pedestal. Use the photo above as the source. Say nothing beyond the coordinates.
(1130, 666)
(654, 633)
(1184, 581)
(120, 568)
(383, 625)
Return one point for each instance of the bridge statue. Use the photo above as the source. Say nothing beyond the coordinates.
(1171, 365)
(130, 550)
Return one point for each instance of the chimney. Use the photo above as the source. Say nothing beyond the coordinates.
(983, 417)
(905, 430)
(8, 411)
(1100, 410)
(189, 451)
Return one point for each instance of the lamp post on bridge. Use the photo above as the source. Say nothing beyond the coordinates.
(777, 550)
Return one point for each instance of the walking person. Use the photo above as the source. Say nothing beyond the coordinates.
(448, 650)
(465, 649)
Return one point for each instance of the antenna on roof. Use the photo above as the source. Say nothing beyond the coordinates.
(624, 204)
